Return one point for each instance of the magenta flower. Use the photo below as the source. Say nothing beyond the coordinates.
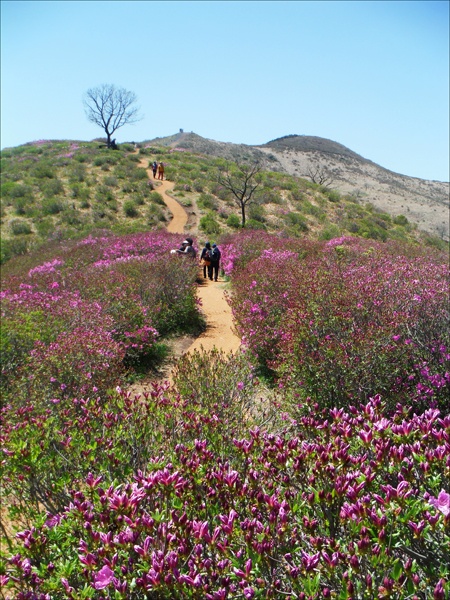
(103, 578)
(442, 503)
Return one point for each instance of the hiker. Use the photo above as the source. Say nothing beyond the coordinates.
(154, 168)
(160, 171)
(215, 262)
(205, 260)
(187, 249)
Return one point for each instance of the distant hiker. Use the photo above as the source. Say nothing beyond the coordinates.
(160, 171)
(154, 168)
(187, 249)
(205, 259)
(215, 262)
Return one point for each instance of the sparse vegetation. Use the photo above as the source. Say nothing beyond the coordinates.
(83, 187)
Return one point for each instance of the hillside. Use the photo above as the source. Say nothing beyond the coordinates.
(313, 463)
(424, 203)
(55, 190)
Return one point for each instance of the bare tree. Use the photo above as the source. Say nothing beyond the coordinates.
(242, 182)
(319, 175)
(110, 107)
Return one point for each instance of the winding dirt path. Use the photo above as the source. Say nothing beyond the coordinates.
(219, 331)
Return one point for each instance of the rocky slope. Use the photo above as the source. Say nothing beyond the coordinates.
(424, 203)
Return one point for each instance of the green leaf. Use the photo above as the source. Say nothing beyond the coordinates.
(397, 570)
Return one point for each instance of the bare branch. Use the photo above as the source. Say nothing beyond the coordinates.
(110, 108)
(320, 175)
(240, 180)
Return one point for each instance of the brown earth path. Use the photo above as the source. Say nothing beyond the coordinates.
(219, 331)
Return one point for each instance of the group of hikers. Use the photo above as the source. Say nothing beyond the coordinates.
(209, 257)
(158, 169)
(210, 254)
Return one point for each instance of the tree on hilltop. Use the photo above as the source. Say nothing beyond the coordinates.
(110, 107)
(241, 180)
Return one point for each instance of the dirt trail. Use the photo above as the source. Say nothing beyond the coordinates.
(219, 331)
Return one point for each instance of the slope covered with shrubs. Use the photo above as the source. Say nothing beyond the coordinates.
(330, 480)
(61, 190)
(53, 190)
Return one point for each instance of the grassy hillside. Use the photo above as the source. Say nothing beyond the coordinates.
(59, 190)
(54, 190)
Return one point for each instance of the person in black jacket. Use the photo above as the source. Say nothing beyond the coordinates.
(205, 260)
(215, 262)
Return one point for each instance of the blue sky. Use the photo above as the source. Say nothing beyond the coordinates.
(373, 76)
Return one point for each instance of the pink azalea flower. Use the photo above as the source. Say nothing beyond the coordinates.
(103, 578)
(442, 503)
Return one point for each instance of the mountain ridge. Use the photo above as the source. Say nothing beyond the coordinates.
(424, 202)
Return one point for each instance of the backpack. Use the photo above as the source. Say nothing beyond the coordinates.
(215, 255)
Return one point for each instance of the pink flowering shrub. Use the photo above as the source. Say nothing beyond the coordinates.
(50, 448)
(335, 487)
(354, 506)
(103, 296)
(341, 321)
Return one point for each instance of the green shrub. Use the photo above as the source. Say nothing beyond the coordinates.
(44, 227)
(139, 174)
(12, 189)
(298, 195)
(106, 159)
(52, 188)
(269, 197)
(400, 220)
(110, 181)
(73, 218)
(154, 215)
(9, 248)
(104, 194)
(233, 221)
(330, 232)
(369, 228)
(52, 206)
(207, 201)
(253, 224)
(20, 206)
(43, 170)
(77, 173)
(256, 212)
(80, 192)
(82, 158)
(19, 227)
(209, 225)
(138, 199)
(156, 198)
(332, 195)
(297, 220)
(130, 209)
(313, 210)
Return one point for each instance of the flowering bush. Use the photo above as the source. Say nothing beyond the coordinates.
(341, 321)
(77, 320)
(351, 507)
(223, 489)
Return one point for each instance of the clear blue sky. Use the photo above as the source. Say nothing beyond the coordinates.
(373, 76)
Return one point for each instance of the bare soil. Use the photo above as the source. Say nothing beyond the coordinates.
(219, 332)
